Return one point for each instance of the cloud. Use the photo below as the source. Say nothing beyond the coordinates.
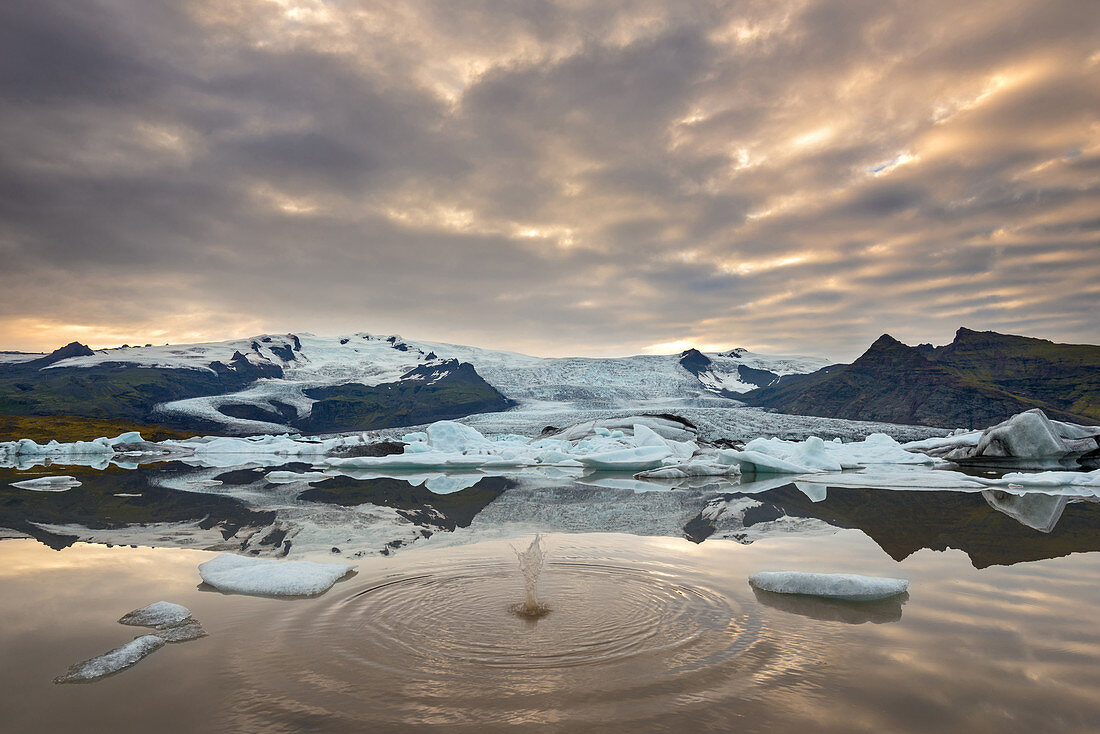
(583, 177)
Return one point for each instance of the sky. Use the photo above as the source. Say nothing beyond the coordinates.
(578, 177)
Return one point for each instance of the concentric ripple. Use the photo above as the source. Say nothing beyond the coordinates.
(443, 647)
(599, 615)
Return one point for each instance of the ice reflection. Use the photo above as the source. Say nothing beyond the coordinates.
(1039, 511)
(835, 610)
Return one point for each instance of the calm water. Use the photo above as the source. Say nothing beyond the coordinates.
(646, 632)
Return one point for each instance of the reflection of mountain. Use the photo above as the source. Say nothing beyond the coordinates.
(902, 523)
(416, 503)
(117, 498)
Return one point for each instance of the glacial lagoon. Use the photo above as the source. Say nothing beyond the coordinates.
(651, 623)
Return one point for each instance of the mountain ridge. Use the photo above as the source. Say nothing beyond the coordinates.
(979, 379)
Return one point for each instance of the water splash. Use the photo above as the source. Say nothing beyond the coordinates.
(531, 562)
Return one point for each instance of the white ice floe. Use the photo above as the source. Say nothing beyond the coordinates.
(120, 658)
(287, 477)
(264, 577)
(698, 468)
(159, 615)
(632, 460)
(758, 462)
(48, 484)
(845, 586)
(776, 456)
(1047, 479)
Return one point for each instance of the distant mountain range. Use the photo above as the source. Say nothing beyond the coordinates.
(310, 384)
(979, 379)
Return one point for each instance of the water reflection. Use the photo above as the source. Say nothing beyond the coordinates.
(1038, 511)
(835, 610)
(357, 514)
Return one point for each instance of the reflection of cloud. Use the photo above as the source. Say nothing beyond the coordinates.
(835, 610)
(802, 175)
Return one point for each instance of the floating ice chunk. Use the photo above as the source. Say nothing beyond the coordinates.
(810, 453)
(690, 469)
(1047, 479)
(120, 658)
(847, 586)
(286, 477)
(159, 614)
(48, 484)
(189, 630)
(448, 436)
(877, 448)
(941, 444)
(426, 460)
(264, 577)
(755, 462)
(129, 437)
(633, 460)
(646, 436)
(1029, 434)
(1028, 438)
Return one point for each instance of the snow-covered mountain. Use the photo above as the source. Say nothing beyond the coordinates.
(288, 369)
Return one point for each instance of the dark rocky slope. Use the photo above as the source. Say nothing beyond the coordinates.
(977, 380)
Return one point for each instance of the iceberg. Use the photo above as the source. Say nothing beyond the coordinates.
(756, 462)
(264, 577)
(1026, 439)
(845, 586)
(116, 660)
(448, 436)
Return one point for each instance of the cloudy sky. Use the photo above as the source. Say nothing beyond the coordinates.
(574, 177)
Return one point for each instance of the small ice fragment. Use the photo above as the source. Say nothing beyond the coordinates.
(48, 484)
(847, 586)
(189, 630)
(265, 577)
(160, 614)
(287, 477)
(120, 658)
